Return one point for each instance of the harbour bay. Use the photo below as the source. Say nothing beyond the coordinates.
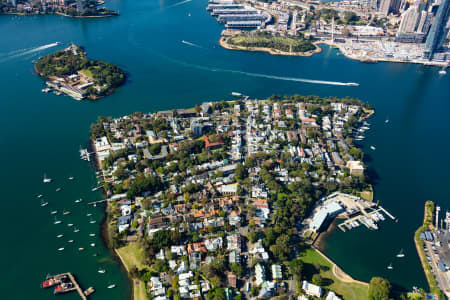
(42, 133)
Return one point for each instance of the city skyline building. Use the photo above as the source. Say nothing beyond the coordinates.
(438, 31)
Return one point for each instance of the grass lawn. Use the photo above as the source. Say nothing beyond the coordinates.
(349, 291)
(367, 195)
(132, 256)
(87, 73)
(139, 290)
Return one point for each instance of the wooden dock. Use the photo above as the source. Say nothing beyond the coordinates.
(75, 284)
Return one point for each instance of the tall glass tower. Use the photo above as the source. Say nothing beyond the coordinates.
(438, 32)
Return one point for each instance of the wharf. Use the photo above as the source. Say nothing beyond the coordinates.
(75, 284)
(349, 223)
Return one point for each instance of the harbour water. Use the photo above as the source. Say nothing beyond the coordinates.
(41, 133)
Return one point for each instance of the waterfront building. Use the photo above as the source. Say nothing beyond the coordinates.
(312, 289)
(438, 32)
(355, 167)
(328, 211)
(425, 22)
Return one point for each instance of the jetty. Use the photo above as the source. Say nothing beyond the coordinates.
(367, 218)
(74, 285)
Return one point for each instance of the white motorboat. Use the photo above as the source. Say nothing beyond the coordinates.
(54, 212)
(91, 234)
(102, 271)
(70, 178)
(92, 244)
(401, 254)
(46, 180)
(66, 212)
(372, 147)
(70, 224)
(40, 196)
(60, 236)
(58, 189)
(44, 203)
(88, 215)
(111, 286)
(76, 230)
(61, 249)
(70, 241)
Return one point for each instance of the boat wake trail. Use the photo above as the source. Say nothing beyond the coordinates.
(192, 44)
(295, 79)
(179, 3)
(20, 53)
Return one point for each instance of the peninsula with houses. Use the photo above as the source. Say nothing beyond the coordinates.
(69, 71)
(225, 200)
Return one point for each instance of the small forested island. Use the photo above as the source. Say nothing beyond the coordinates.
(69, 8)
(69, 71)
(225, 200)
(266, 41)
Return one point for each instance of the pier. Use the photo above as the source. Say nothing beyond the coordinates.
(75, 285)
(368, 219)
(85, 155)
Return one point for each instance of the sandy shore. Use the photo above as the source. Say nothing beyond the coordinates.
(224, 44)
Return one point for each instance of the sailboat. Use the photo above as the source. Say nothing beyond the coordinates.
(59, 236)
(76, 230)
(57, 221)
(61, 249)
(70, 241)
(92, 244)
(401, 254)
(71, 178)
(54, 212)
(40, 196)
(372, 147)
(58, 189)
(46, 180)
(44, 203)
(78, 200)
(92, 221)
(111, 286)
(66, 212)
(70, 224)
(442, 72)
(102, 271)
(88, 215)
(390, 267)
(91, 234)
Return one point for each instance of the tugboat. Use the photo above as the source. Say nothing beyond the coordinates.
(49, 282)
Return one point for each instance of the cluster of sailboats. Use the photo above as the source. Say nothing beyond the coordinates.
(399, 255)
(75, 230)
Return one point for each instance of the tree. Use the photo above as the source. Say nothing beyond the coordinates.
(237, 269)
(296, 268)
(241, 172)
(379, 289)
(317, 279)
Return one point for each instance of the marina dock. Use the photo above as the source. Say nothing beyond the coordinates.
(63, 286)
(368, 219)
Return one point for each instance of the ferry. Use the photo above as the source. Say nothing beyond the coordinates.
(352, 84)
(46, 180)
(401, 254)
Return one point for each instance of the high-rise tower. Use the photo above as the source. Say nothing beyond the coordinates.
(438, 32)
